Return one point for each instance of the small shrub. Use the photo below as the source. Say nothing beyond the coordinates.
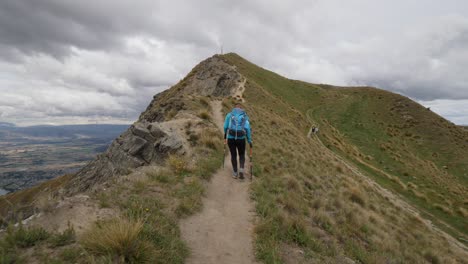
(24, 238)
(204, 115)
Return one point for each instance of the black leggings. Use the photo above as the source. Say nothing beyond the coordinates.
(239, 145)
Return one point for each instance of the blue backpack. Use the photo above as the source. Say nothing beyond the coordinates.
(237, 123)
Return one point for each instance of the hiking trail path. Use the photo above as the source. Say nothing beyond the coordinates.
(223, 231)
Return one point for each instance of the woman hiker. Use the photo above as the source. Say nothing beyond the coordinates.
(236, 130)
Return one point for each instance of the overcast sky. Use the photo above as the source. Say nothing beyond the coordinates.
(67, 61)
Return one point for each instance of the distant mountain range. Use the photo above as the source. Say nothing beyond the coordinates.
(6, 124)
(65, 131)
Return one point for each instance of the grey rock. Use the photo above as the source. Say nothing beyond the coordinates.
(135, 145)
(169, 144)
(156, 130)
(213, 77)
(141, 130)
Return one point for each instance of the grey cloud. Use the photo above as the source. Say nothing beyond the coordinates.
(126, 51)
(53, 26)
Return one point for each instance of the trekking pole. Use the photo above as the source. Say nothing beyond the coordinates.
(224, 152)
(251, 164)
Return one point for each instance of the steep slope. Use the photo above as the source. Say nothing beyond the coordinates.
(406, 147)
(315, 205)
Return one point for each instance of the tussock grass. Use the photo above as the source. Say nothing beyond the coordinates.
(355, 195)
(204, 115)
(118, 238)
(211, 138)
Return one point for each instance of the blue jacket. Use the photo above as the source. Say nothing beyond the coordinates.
(227, 121)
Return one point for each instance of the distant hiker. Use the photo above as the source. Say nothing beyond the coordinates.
(236, 130)
(315, 130)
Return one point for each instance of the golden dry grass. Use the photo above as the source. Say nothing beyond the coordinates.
(118, 238)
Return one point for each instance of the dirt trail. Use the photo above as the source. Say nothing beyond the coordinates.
(222, 232)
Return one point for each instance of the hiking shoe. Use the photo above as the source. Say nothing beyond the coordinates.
(234, 175)
(241, 173)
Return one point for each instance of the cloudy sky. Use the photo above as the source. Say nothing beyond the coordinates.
(67, 61)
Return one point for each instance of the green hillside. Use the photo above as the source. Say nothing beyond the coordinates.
(383, 181)
(403, 146)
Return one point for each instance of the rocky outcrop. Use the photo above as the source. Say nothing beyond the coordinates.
(213, 77)
(142, 144)
(159, 130)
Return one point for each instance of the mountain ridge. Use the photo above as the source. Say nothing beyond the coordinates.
(317, 199)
